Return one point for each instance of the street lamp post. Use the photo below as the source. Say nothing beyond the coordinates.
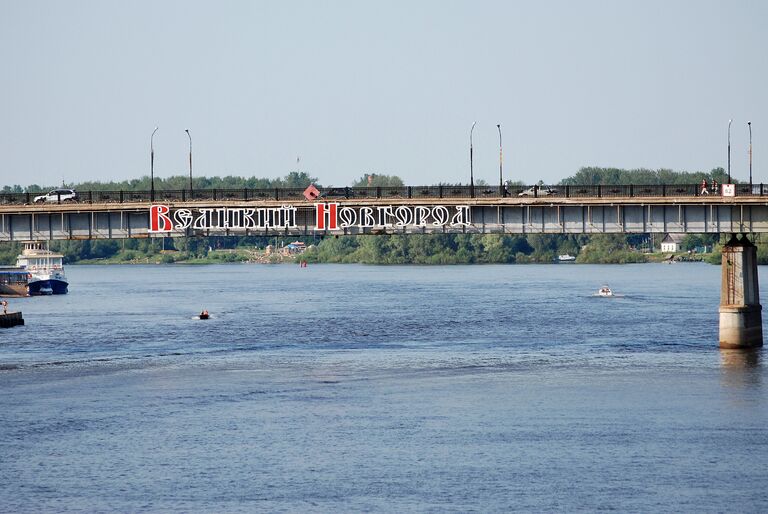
(471, 169)
(190, 162)
(729, 151)
(749, 124)
(152, 166)
(501, 174)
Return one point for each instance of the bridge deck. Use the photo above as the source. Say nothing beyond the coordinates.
(567, 215)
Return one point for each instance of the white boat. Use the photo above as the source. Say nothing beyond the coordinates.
(604, 291)
(566, 258)
(45, 268)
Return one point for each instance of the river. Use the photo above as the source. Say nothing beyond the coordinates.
(381, 388)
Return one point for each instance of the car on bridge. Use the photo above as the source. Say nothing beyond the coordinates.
(57, 195)
(538, 191)
(337, 192)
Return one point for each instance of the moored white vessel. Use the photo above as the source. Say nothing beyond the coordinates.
(45, 268)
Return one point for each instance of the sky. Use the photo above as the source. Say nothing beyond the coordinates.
(340, 89)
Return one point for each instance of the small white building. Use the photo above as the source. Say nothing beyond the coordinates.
(671, 243)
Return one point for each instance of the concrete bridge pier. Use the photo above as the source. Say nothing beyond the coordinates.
(741, 321)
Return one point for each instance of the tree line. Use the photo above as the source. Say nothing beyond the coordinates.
(294, 179)
(301, 179)
(371, 249)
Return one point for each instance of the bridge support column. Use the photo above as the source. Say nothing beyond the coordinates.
(741, 321)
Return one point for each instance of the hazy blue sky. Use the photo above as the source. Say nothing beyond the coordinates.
(389, 87)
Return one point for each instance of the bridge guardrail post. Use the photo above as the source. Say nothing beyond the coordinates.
(277, 194)
(27, 200)
(664, 190)
(535, 191)
(90, 196)
(440, 191)
(121, 196)
(567, 191)
(599, 191)
(378, 192)
(183, 195)
(245, 193)
(631, 191)
(410, 192)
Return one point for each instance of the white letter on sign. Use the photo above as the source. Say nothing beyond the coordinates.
(404, 216)
(183, 218)
(366, 217)
(347, 217)
(461, 218)
(440, 215)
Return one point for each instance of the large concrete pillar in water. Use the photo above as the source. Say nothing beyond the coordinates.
(741, 321)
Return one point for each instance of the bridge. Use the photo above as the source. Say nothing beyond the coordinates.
(734, 209)
(388, 210)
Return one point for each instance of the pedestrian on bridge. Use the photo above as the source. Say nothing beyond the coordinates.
(704, 190)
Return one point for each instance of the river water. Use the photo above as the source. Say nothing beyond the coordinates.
(369, 388)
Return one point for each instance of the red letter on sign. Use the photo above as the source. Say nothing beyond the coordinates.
(321, 213)
(158, 214)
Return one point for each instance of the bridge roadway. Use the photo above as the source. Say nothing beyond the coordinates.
(508, 215)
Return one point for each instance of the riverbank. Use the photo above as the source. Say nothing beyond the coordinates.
(261, 257)
(380, 249)
(244, 256)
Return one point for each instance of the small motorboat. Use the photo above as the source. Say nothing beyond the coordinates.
(605, 292)
(203, 315)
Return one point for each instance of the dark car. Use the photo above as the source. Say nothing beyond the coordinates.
(337, 192)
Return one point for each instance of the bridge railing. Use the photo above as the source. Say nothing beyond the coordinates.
(400, 192)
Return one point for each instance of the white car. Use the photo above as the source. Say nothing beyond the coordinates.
(57, 195)
(538, 191)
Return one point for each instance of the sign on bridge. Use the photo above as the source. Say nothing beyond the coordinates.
(328, 216)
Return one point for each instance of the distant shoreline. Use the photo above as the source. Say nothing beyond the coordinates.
(295, 260)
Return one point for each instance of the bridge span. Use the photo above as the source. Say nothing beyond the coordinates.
(269, 217)
(577, 210)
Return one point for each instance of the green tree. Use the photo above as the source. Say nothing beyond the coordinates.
(641, 176)
(497, 248)
(608, 249)
(378, 180)
(8, 253)
(298, 179)
(104, 248)
(691, 241)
